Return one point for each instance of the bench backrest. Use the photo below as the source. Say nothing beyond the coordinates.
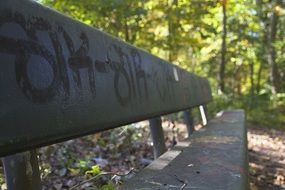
(61, 79)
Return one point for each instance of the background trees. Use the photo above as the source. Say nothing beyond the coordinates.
(239, 45)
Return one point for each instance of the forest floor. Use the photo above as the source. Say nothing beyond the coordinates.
(67, 164)
(266, 158)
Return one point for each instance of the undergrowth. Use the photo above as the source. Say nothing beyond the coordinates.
(262, 110)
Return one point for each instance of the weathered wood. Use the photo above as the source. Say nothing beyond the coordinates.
(213, 158)
(22, 171)
(188, 118)
(157, 136)
(61, 79)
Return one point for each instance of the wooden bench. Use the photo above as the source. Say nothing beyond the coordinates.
(212, 158)
(60, 79)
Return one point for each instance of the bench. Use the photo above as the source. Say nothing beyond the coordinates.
(212, 158)
(61, 79)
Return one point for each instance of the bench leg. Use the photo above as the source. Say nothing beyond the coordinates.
(204, 114)
(188, 118)
(157, 136)
(22, 171)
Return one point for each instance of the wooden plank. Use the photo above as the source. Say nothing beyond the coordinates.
(22, 171)
(157, 136)
(61, 79)
(215, 157)
(189, 121)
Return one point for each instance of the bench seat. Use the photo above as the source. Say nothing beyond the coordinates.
(215, 157)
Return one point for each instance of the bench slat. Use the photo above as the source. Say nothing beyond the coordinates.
(213, 158)
(60, 79)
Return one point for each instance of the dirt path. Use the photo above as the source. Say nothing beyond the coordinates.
(266, 158)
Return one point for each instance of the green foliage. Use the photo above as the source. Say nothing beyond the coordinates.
(85, 167)
(95, 170)
(263, 110)
(108, 186)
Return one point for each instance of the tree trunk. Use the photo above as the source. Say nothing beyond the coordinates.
(223, 53)
(172, 28)
(262, 55)
(126, 27)
(251, 66)
(274, 73)
(258, 86)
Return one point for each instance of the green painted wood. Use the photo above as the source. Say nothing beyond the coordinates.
(215, 157)
(157, 136)
(61, 79)
(189, 121)
(22, 171)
